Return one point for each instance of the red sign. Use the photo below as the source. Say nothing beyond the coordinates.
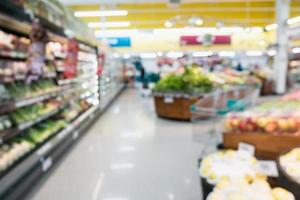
(205, 39)
(71, 59)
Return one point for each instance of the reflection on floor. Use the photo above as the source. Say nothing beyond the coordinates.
(130, 154)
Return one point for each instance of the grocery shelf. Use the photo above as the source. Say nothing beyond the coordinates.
(26, 125)
(12, 132)
(38, 157)
(13, 55)
(74, 80)
(37, 163)
(12, 105)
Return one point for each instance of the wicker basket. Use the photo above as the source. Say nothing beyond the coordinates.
(267, 146)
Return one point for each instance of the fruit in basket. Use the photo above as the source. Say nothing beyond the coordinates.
(229, 165)
(292, 124)
(243, 190)
(262, 122)
(271, 127)
(283, 124)
(282, 194)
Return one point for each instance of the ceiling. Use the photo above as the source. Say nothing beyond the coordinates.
(150, 14)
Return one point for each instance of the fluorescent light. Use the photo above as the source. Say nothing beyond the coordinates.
(126, 56)
(254, 53)
(173, 54)
(271, 27)
(159, 53)
(293, 20)
(116, 55)
(199, 22)
(148, 55)
(104, 13)
(231, 30)
(168, 24)
(226, 53)
(262, 43)
(109, 24)
(296, 50)
(272, 53)
(202, 53)
(257, 29)
(114, 32)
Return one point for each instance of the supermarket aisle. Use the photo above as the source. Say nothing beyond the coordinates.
(129, 154)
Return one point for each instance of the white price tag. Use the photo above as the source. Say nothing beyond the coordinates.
(268, 168)
(247, 148)
(168, 100)
(75, 135)
(46, 164)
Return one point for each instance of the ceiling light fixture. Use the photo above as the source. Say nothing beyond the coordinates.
(159, 53)
(116, 55)
(168, 24)
(173, 54)
(254, 53)
(126, 56)
(272, 53)
(148, 55)
(226, 53)
(104, 13)
(296, 50)
(231, 30)
(202, 53)
(271, 27)
(293, 20)
(109, 24)
(262, 43)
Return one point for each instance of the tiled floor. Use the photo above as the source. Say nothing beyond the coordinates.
(130, 154)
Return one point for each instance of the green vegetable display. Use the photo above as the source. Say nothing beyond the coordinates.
(192, 81)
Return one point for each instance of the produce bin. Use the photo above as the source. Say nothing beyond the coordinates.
(174, 106)
(267, 146)
(287, 181)
(206, 187)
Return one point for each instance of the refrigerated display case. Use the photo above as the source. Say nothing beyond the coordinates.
(47, 105)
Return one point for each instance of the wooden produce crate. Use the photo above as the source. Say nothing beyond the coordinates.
(267, 146)
(174, 107)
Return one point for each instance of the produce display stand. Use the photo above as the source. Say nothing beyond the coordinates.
(267, 146)
(286, 181)
(27, 172)
(206, 187)
(21, 175)
(174, 106)
(267, 87)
